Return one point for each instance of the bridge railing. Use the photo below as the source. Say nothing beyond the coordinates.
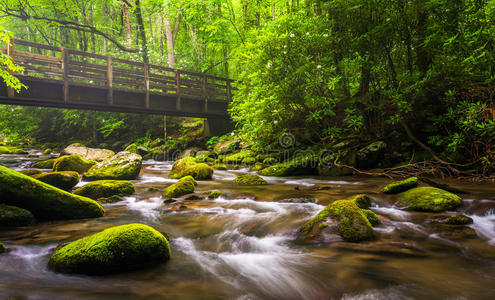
(74, 67)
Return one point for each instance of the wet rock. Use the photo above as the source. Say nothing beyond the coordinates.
(372, 217)
(205, 156)
(106, 188)
(72, 163)
(178, 189)
(2, 248)
(304, 164)
(369, 156)
(191, 152)
(428, 199)
(362, 200)
(11, 150)
(44, 201)
(47, 151)
(222, 167)
(226, 147)
(194, 197)
(45, 164)
(189, 178)
(459, 220)
(401, 186)
(11, 216)
(64, 180)
(250, 179)
(189, 166)
(245, 156)
(214, 194)
(397, 249)
(31, 172)
(270, 161)
(121, 166)
(257, 167)
(297, 200)
(169, 201)
(112, 199)
(344, 217)
(88, 153)
(121, 248)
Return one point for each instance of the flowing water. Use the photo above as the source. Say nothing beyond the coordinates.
(244, 246)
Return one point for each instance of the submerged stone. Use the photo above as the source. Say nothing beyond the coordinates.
(429, 199)
(178, 189)
(106, 188)
(63, 180)
(121, 248)
(459, 220)
(250, 179)
(401, 186)
(72, 163)
(44, 201)
(12, 216)
(121, 166)
(214, 194)
(189, 166)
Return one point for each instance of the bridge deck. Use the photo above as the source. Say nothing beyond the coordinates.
(67, 78)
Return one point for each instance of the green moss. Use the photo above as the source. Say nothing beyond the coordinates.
(11, 216)
(178, 189)
(239, 157)
(372, 217)
(2, 248)
(203, 156)
(121, 166)
(189, 178)
(106, 188)
(188, 166)
(72, 163)
(112, 199)
(401, 186)
(250, 179)
(30, 172)
(459, 220)
(352, 223)
(219, 167)
(429, 199)
(303, 164)
(214, 194)
(270, 161)
(45, 164)
(257, 167)
(120, 248)
(63, 180)
(249, 161)
(44, 201)
(362, 201)
(11, 150)
(47, 151)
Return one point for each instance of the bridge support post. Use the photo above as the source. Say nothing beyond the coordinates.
(217, 127)
(10, 52)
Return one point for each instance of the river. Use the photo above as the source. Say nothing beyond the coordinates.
(244, 246)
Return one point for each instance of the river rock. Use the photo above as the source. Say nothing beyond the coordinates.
(459, 220)
(189, 178)
(106, 189)
(45, 164)
(12, 216)
(64, 180)
(226, 147)
(343, 217)
(44, 201)
(221, 167)
(121, 166)
(214, 194)
(88, 153)
(11, 150)
(371, 155)
(2, 248)
(116, 249)
(401, 186)
(31, 172)
(304, 164)
(189, 166)
(250, 179)
(72, 163)
(178, 189)
(428, 199)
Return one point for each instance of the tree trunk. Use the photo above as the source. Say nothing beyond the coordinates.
(170, 43)
(127, 25)
(142, 32)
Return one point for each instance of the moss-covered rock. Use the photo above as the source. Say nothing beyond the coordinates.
(121, 166)
(303, 164)
(226, 147)
(459, 220)
(2, 248)
(31, 172)
(44, 201)
(214, 194)
(63, 180)
(178, 189)
(72, 163)
(344, 216)
(250, 179)
(117, 249)
(189, 166)
(371, 155)
(205, 156)
(429, 199)
(372, 217)
(257, 167)
(12, 216)
(111, 199)
(88, 153)
(45, 164)
(189, 178)
(106, 188)
(11, 150)
(220, 167)
(47, 151)
(362, 200)
(401, 186)
(239, 157)
(270, 161)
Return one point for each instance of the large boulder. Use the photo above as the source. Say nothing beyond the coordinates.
(303, 164)
(181, 188)
(342, 217)
(401, 186)
(64, 180)
(428, 199)
(31, 172)
(11, 150)
(44, 201)
(226, 147)
(189, 166)
(45, 164)
(121, 166)
(371, 155)
(72, 163)
(249, 179)
(244, 156)
(106, 189)
(116, 249)
(88, 153)
(11, 216)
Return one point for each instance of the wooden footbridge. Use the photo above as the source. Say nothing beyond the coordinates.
(67, 78)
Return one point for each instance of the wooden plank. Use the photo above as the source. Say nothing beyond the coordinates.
(36, 62)
(130, 62)
(73, 73)
(163, 87)
(86, 64)
(65, 70)
(147, 86)
(35, 45)
(156, 67)
(128, 71)
(126, 81)
(87, 54)
(10, 52)
(38, 56)
(110, 81)
(87, 70)
(42, 70)
(178, 90)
